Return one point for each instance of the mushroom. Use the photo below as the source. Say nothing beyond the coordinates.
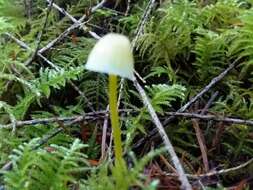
(112, 55)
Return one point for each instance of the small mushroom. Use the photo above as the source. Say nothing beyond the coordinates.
(112, 55)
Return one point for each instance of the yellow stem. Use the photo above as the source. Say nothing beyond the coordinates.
(115, 119)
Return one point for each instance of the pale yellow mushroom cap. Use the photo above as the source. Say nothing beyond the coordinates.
(112, 54)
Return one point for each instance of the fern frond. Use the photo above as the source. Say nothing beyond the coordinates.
(163, 95)
(57, 79)
(211, 54)
(39, 169)
(172, 35)
(243, 43)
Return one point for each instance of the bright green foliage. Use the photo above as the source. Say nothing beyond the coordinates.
(243, 44)
(184, 45)
(209, 63)
(163, 95)
(193, 43)
(11, 15)
(44, 170)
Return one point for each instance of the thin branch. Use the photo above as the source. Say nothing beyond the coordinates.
(212, 83)
(63, 11)
(73, 19)
(219, 172)
(199, 133)
(66, 120)
(138, 32)
(128, 7)
(212, 117)
(70, 29)
(47, 137)
(104, 135)
(185, 183)
(101, 114)
(202, 144)
(144, 19)
(210, 101)
(98, 6)
(25, 46)
(39, 38)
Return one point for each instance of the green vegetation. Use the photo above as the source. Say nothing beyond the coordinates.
(183, 46)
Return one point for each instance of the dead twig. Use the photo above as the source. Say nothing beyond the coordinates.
(217, 118)
(200, 136)
(213, 82)
(128, 7)
(101, 114)
(202, 144)
(39, 38)
(73, 19)
(25, 46)
(138, 32)
(104, 135)
(140, 29)
(71, 28)
(66, 120)
(182, 177)
(219, 172)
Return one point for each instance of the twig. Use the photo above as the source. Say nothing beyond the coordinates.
(220, 172)
(138, 32)
(199, 133)
(104, 135)
(73, 19)
(39, 38)
(62, 11)
(98, 6)
(210, 101)
(70, 29)
(25, 46)
(212, 117)
(185, 183)
(145, 16)
(218, 136)
(213, 82)
(101, 114)
(47, 137)
(167, 164)
(128, 7)
(202, 144)
(82, 95)
(72, 119)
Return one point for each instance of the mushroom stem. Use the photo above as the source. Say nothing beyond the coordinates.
(115, 119)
